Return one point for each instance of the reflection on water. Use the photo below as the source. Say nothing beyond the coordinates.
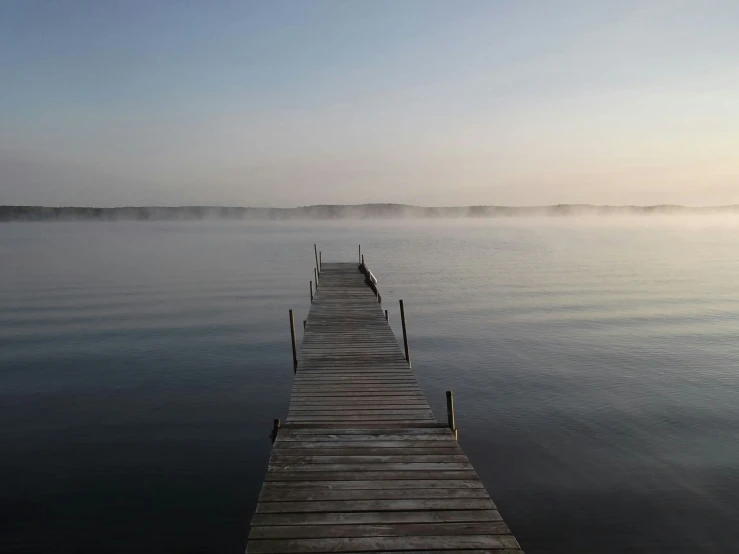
(594, 366)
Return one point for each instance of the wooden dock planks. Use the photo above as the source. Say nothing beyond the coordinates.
(361, 464)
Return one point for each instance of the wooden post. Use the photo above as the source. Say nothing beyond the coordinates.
(450, 412)
(405, 334)
(315, 276)
(315, 249)
(305, 322)
(292, 334)
(275, 429)
(360, 253)
(320, 259)
(311, 292)
(362, 258)
(379, 297)
(386, 318)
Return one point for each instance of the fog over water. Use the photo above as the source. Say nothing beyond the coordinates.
(593, 360)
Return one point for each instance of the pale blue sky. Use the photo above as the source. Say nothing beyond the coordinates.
(423, 102)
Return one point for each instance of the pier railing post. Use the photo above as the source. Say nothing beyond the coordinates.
(292, 335)
(318, 267)
(311, 292)
(405, 334)
(450, 412)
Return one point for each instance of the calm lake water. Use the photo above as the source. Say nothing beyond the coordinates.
(595, 366)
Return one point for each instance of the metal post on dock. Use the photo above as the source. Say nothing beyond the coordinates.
(386, 318)
(292, 335)
(315, 249)
(311, 292)
(275, 430)
(405, 334)
(450, 412)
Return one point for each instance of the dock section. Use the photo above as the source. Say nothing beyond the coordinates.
(361, 464)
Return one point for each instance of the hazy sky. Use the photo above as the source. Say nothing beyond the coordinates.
(431, 103)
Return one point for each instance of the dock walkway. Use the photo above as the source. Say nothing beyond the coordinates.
(361, 464)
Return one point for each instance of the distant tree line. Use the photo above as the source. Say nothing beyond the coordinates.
(335, 211)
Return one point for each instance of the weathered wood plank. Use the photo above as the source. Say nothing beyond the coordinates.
(411, 484)
(349, 425)
(408, 466)
(271, 494)
(387, 410)
(321, 458)
(340, 404)
(378, 530)
(379, 430)
(376, 505)
(287, 475)
(381, 544)
(357, 518)
(447, 551)
(363, 415)
(360, 441)
(372, 451)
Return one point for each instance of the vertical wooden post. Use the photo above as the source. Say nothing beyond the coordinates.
(362, 258)
(320, 259)
(305, 322)
(311, 292)
(405, 334)
(386, 318)
(292, 334)
(315, 276)
(360, 253)
(450, 412)
(275, 429)
(315, 249)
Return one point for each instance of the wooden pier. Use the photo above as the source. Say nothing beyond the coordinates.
(361, 464)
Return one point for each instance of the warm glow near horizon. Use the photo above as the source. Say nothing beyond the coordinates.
(418, 102)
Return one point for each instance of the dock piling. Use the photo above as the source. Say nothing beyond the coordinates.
(386, 317)
(311, 292)
(275, 429)
(320, 259)
(450, 412)
(315, 276)
(360, 253)
(318, 267)
(292, 335)
(405, 334)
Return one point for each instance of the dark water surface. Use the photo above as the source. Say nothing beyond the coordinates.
(595, 366)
